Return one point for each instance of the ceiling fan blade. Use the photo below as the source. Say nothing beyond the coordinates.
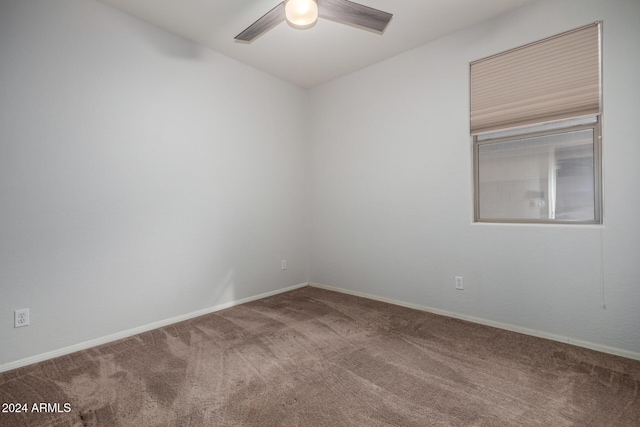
(348, 12)
(262, 25)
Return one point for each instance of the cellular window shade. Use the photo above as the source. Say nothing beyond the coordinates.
(553, 79)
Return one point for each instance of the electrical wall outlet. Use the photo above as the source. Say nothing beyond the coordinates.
(21, 318)
(283, 264)
(459, 280)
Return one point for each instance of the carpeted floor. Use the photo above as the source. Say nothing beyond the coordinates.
(312, 357)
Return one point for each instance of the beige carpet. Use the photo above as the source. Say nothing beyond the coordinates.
(311, 357)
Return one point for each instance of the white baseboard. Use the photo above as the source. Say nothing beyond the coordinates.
(499, 325)
(134, 331)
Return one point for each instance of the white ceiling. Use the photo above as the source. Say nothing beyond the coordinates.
(316, 55)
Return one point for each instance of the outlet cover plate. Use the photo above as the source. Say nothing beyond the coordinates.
(21, 317)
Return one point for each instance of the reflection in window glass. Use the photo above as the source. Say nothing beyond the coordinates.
(549, 177)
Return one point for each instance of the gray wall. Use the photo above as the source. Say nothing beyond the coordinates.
(142, 177)
(392, 189)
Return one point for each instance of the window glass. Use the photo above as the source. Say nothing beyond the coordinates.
(538, 178)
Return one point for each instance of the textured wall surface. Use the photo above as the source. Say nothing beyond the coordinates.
(392, 188)
(142, 177)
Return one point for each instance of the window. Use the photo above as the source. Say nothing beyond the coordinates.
(547, 175)
(535, 122)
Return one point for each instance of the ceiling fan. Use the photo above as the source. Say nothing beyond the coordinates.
(303, 14)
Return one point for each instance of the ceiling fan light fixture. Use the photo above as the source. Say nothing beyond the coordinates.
(301, 14)
(304, 14)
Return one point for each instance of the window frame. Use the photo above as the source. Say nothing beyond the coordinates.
(532, 132)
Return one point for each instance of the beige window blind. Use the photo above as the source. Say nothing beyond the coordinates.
(553, 79)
